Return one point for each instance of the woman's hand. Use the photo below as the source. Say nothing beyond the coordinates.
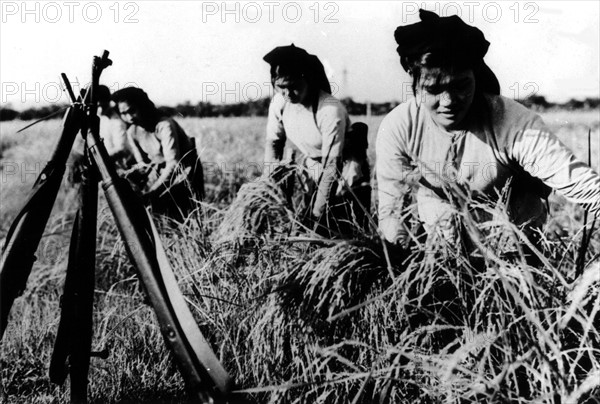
(318, 211)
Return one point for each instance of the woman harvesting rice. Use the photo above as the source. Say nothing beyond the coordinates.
(113, 133)
(168, 169)
(304, 111)
(459, 132)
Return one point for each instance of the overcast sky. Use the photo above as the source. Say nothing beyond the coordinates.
(212, 51)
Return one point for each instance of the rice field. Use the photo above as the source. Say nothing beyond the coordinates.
(296, 318)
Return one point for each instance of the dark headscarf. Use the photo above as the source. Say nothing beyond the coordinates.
(293, 61)
(450, 38)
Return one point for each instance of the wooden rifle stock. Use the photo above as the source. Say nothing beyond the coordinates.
(205, 378)
(71, 354)
(18, 253)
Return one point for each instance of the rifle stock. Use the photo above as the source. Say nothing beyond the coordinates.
(204, 375)
(18, 253)
(71, 354)
(205, 378)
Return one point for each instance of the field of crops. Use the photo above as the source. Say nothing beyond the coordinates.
(307, 320)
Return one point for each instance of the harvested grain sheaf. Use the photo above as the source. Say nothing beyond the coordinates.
(326, 321)
(260, 210)
(332, 279)
(456, 322)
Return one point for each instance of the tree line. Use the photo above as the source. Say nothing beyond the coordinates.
(261, 108)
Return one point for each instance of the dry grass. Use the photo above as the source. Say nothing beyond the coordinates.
(307, 320)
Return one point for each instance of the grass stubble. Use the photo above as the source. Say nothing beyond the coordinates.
(299, 319)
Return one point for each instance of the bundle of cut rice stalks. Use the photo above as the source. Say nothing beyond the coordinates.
(261, 210)
(332, 280)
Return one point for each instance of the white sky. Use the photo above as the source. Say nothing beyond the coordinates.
(190, 51)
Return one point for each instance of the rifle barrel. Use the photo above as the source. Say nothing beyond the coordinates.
(204, 375)
(18, 254)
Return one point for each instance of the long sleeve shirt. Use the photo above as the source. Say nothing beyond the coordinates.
(502, 141)
(113, 131)
(319, 134)
(165, 147)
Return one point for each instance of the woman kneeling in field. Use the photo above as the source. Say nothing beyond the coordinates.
(458, 132)
(304, 111)
(168, 172)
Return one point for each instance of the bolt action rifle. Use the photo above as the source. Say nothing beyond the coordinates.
(205, 378)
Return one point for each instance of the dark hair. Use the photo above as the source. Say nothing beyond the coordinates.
(103, 93)
(285, 70)
(311, 70)
(136, 97)
(485, 79)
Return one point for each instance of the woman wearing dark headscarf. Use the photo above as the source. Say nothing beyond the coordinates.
(168, 167)
(304, 111)
(458, 131)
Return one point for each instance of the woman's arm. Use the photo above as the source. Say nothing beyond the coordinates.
(275, 134)
(394, 177)
(134, 146)
(166, 132)
(118, 138)
(542, 155)
(332, 120)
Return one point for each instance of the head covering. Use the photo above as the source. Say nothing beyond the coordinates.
(435, 34)
(289, 55)
(458, 43)
(296, 61)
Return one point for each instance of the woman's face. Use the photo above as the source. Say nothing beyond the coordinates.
(293, 90)
(129, 113)
(446, 96)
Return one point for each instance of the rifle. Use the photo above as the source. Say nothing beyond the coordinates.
(205, 378)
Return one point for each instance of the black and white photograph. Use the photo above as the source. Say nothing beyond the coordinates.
(298, 202)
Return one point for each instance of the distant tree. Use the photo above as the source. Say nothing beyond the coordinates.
(204, 109)
(168, 111)
(536, 102)
(42, 112)
(258, 108)
(7, 114)
(186, 110)
(383, 108)
(591, 103)
(573, 104)
(354, 108)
